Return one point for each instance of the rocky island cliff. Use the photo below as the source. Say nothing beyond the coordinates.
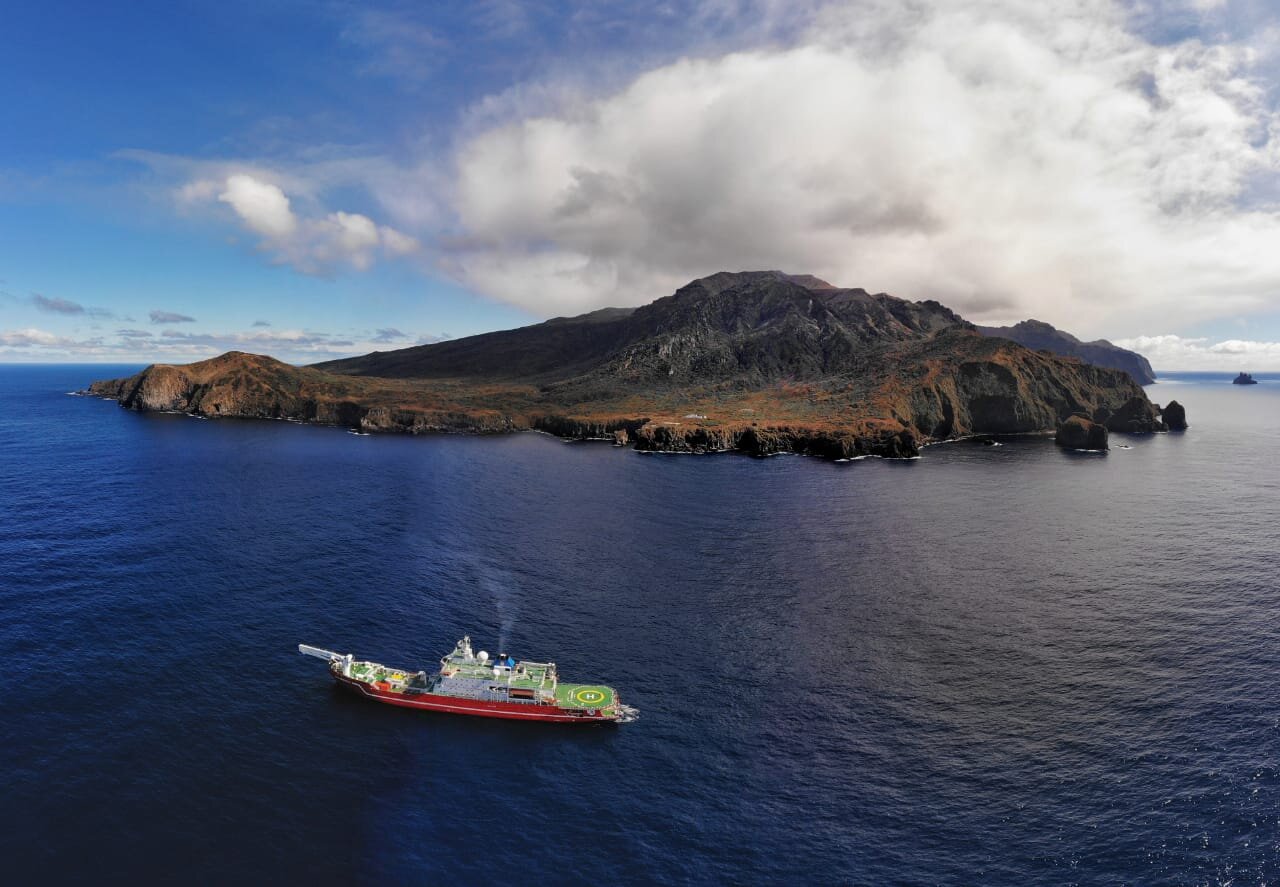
(760, 362)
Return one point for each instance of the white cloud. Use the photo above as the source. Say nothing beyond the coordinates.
(1009, 158)
(262, 206)
(29, 337)
(178, 346)
(1183, 353)
(313, 244)
(397, 243)
(1080, 161)
(350, 235)
(198, 191)
(355, 232)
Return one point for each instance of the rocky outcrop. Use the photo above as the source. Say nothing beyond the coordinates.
(1174, 416)
(411, 421)
(770, 441)
(759, 363)
(585, 429)
(233, 384)
(1137, 415)
(1081, 433)
(253, 386)
(1036, 334)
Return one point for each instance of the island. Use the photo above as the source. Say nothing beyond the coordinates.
(758, 362)
(1244, 379)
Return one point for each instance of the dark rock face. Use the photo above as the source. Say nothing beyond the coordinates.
(772, 441)
(1080, 433)
(760, 362)
(1175, 416)
(1137, 415)
(578, 429)
(1038, 335)
(760, 325)
(1244, 379)
(253, 386)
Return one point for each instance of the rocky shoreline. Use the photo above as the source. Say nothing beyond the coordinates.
(160, 389)
(640, 434)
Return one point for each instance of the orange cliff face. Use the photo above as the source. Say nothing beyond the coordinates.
(759, 362)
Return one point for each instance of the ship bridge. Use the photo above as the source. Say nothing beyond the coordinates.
(466, 672)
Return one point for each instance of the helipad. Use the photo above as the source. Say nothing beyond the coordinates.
(584, 696)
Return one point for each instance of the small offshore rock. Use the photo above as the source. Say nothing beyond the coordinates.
(1137, 416)
(1175, 416)
(1080, 433)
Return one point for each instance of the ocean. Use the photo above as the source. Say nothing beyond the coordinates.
(990, 665)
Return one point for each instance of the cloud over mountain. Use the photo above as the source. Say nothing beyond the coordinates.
(1089, 162)
(1005, 157)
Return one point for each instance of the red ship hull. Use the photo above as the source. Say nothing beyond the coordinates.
(515, 711)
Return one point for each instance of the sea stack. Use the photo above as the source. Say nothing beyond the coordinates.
(1081, 433)
(1174, 416)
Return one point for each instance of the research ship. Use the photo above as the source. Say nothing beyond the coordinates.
(471, 683)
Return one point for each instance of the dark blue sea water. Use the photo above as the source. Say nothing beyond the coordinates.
(992, 665)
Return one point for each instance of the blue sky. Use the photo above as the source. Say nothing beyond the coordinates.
(312, 179)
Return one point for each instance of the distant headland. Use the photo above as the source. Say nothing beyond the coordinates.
(1038, 334)
(759, 362)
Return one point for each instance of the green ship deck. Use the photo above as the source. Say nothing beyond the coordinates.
(539, 676)
(536, 677)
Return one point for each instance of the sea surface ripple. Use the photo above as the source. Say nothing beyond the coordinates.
(992, 665)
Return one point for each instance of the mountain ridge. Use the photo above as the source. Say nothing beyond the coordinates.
(1037, 334)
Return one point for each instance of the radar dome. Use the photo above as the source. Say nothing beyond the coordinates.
(482, 656)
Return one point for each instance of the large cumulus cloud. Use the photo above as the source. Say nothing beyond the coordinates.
(1009, 158)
